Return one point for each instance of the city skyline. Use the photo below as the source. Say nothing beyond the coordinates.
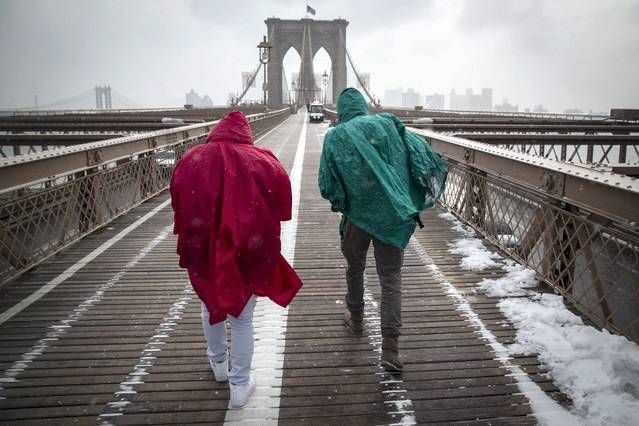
(531, 52)
(396, 97)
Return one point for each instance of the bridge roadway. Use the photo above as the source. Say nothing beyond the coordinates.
(108, 331)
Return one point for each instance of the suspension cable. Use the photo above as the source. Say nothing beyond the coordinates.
(361, 83)
(125, 100)
(248, 85)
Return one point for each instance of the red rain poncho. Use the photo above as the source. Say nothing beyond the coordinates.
(229, 197)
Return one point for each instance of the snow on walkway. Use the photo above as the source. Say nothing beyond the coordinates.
(599, 371)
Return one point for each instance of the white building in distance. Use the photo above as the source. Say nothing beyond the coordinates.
(393, 97)
(411, 98)
(434, 101)
(505, 106)
(472, 102)
(192, 98)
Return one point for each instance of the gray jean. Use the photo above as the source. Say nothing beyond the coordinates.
(389, 260)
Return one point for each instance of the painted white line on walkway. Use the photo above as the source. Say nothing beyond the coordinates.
(270, 323)
(544, 408)
(394, 395)
(35, 296)
(62, 327)
(125, 394)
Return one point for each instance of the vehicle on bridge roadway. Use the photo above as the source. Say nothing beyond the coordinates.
(316, 112)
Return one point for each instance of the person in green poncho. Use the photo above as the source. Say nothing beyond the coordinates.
(379, 175)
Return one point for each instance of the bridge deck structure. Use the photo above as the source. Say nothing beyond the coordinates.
(108, 330)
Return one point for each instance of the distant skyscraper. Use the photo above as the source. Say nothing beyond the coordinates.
(411, 98)
(471, 102)
(505, 106)
(393, 97)
(434, 101)
(486, 99)
(453, 100)
(192, 98)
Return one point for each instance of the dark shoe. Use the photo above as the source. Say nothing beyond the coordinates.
(390, 355)
(354, 323)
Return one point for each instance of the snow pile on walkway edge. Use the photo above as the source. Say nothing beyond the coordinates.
(599, 371)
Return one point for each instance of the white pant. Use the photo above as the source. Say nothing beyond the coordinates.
(241, 342)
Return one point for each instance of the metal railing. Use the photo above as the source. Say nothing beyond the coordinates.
(21, 112)
(584, 149)
(533, 115)
(578, 228)
(604, 142)
(51, 199)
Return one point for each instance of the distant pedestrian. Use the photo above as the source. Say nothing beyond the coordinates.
(229, 197)
(379, 176)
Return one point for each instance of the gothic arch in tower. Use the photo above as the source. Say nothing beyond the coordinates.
(306, 36)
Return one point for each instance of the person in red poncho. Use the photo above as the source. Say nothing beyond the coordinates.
(229, 197)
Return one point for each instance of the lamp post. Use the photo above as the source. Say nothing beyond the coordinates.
(325, 84)
(265, 55)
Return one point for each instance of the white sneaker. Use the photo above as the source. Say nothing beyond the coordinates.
(240, 394)
(220, 370)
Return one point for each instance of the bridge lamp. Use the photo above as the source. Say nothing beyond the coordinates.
(325, 84)
(265, 55)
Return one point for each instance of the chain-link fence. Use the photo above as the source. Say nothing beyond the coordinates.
(543, 214)
(591, 260)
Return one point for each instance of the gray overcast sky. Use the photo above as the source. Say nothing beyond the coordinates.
(562, 54)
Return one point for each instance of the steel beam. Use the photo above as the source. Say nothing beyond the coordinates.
(85, 127)
(529, 127)
(34, 168)
(55, 139)
(498, 139)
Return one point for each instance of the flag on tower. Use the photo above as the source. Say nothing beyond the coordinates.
(310, 10)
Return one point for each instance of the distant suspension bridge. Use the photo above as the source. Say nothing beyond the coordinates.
(99, 97)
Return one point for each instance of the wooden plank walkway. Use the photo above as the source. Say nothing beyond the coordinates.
(120, 340)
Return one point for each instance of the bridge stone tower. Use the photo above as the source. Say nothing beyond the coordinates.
(306, 36)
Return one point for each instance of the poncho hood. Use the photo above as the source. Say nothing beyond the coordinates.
(350, 104)
(232, 128)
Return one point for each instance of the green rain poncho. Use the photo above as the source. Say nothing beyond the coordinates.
(377, 173)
